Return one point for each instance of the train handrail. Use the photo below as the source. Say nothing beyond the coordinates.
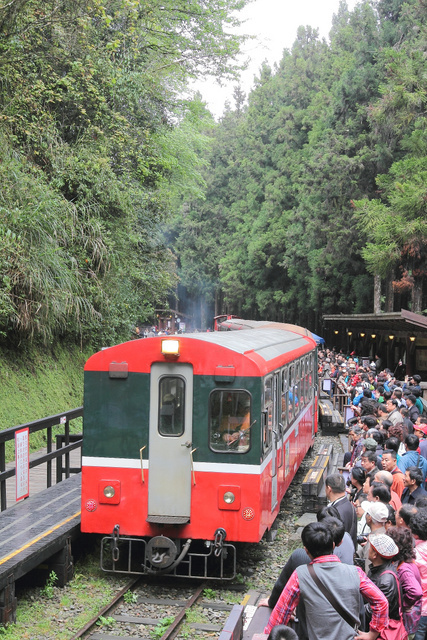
(47, 423)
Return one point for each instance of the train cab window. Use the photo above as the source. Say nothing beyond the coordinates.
(171, 406)
(230, 421)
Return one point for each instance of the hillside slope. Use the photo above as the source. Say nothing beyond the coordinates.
(40, 382)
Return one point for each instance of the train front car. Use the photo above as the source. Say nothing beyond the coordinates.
(190, 443)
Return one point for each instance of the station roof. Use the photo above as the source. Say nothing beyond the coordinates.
(402, 321)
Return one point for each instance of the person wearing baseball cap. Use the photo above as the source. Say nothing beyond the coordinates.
(420, 430)
(383, 572)
(376, 515)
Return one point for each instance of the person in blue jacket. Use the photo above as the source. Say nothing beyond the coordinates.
(412, 457)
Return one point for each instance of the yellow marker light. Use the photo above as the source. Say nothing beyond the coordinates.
(109, 491)
(170, 347)
(229, 497)
(412, 338)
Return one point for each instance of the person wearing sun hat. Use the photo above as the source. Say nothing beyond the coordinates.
(383, 573)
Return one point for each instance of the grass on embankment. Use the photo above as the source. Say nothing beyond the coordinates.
(39, 382)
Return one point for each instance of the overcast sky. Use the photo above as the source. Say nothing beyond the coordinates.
(275, 24)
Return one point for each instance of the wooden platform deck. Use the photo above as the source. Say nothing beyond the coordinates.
(37, 529)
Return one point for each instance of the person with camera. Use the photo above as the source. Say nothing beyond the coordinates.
(376, 515)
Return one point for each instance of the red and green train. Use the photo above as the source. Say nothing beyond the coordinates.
(190, 443)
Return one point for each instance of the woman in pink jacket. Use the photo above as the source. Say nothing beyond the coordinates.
(409, 577)
(418, 525)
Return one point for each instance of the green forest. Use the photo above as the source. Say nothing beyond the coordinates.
(120, 194)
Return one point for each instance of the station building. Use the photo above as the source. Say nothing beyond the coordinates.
(399, 338)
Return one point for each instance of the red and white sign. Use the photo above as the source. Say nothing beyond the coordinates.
(22, 463)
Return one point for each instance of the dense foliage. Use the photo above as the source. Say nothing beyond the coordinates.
(286, 209)
(96, 145)
(319, 183)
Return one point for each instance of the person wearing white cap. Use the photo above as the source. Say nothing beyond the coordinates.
(376, 515)
(383, 574)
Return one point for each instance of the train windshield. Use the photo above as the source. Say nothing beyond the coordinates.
(171, 406)
(230, 421)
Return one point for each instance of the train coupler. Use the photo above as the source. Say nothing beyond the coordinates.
(219, 537)
(115, 552)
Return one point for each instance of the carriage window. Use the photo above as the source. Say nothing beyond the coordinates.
(303, 400)
(291, 394)
(284, 400)
(171, 406)
(230, 421)
(297, 399)
(268, 412)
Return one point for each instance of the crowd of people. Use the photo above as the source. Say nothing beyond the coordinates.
(362, 571)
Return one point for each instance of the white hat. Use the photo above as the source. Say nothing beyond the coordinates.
(377, 510)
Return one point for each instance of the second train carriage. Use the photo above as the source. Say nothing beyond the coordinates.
(190, 443)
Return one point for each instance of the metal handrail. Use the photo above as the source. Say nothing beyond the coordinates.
(38, 425)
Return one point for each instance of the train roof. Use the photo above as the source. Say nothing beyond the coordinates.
(254, 352)
(238, 324)
(267, 343)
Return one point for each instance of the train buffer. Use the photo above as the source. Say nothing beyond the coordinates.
(35, 531)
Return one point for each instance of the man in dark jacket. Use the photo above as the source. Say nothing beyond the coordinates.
(381, 552)
(337, 496)
(413, 412)
(413, 481)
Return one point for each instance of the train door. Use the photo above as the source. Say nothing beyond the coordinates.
(170, 443)
(270, 407)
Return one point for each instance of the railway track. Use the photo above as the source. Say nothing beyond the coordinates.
(141, 610)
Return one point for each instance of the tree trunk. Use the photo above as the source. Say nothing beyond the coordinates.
(377, 294)
(389, 293)
(417, 296)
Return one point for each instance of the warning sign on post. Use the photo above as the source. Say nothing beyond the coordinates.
(22, 463)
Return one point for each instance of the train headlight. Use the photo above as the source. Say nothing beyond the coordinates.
(229, 497)
(109, 491)
(170, 347)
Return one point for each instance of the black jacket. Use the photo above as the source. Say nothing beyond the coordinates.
(389, 585)
(348, 516)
